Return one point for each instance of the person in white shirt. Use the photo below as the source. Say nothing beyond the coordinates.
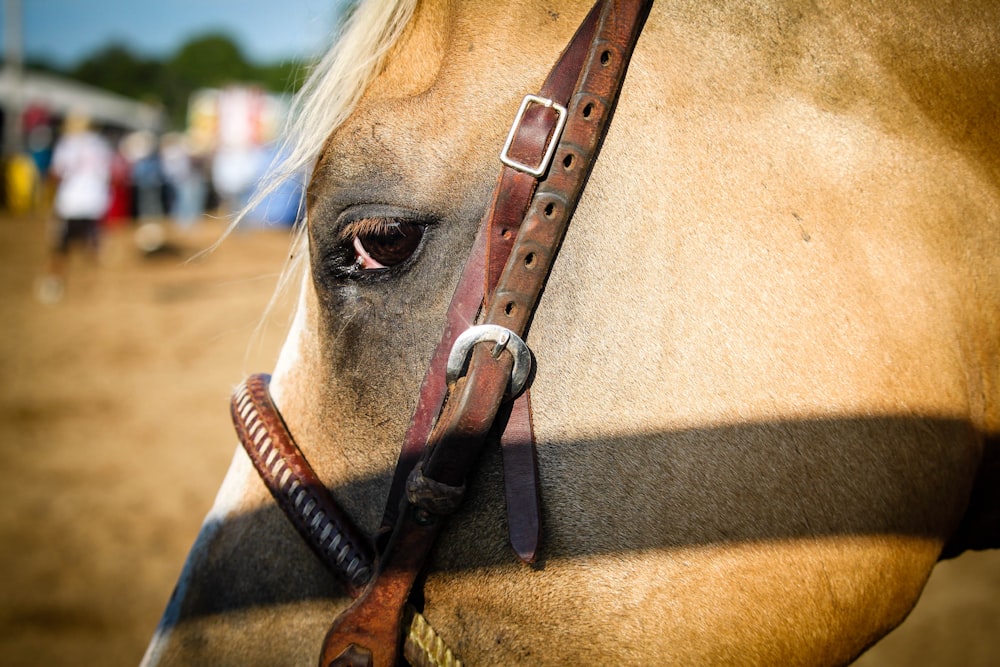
(81, 169)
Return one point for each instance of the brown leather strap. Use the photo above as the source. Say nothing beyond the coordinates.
(368, 627)
(286, 473)
(298, 491)
(465, 303)
(512, 196)
(534, 132)
(370, 632)
(541, 233)
(521, 484)
(490, 252)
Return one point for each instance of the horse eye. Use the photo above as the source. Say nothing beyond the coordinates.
(386, 244)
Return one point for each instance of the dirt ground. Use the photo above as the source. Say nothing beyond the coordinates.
(115, 434)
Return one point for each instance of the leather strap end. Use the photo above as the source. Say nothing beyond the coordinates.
(521, 485)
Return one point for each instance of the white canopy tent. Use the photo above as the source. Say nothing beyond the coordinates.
(21, 90)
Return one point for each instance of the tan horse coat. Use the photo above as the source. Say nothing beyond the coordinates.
(767, 357)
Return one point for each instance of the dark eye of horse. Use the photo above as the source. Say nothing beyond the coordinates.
(383, 244)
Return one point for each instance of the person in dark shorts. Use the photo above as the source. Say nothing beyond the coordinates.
(81, 168)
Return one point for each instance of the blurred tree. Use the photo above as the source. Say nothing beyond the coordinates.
(210, 60)
(205, 61)
(117, 69)
(42, 64)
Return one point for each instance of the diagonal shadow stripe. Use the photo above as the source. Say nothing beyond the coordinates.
(697, 487)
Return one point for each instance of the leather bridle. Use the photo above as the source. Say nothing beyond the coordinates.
(468, 387)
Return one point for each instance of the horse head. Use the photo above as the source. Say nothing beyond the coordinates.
(765, 363)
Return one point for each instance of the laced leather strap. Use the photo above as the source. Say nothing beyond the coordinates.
(314, 512)
(317, 517)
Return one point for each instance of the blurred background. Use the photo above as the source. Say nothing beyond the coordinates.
(120, 339)
(190, 95)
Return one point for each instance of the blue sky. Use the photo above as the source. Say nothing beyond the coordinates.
(63, 31)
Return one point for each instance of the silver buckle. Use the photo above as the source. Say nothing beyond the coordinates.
(549, 151)
(505, 339)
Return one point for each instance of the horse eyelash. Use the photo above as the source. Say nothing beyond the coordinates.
(366, 227)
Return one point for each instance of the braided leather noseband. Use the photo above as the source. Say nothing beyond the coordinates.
(547, 158)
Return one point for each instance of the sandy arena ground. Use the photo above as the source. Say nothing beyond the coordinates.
(115, 430)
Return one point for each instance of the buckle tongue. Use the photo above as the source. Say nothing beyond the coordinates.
(503, 339)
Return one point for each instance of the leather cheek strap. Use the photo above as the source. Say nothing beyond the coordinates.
(369, 631)
(521, 484)
(498, 232)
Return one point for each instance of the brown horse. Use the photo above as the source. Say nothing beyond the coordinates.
(767, 384)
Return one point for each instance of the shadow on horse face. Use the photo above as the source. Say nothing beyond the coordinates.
(712, 487)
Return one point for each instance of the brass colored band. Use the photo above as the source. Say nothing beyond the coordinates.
(423, 647)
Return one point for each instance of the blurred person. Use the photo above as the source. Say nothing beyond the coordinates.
(141, 149)
(120, 209)
(81, 172)
(234, 172)
(39, 143)
(182, 172)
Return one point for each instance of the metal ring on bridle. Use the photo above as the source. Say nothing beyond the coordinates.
(504, 339)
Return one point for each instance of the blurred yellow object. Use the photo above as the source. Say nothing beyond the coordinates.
(22, 184)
